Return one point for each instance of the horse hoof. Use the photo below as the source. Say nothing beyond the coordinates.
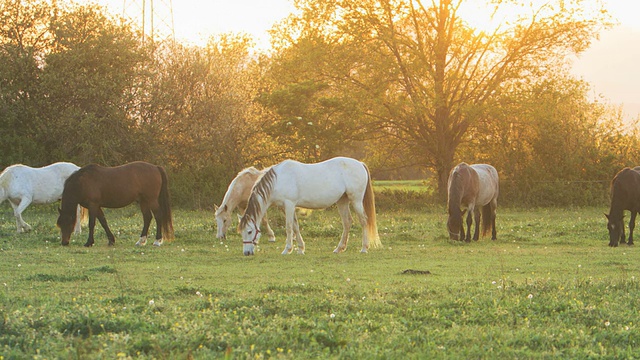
(272, 239)
(157, 243)
(88, 245)
(363, 251)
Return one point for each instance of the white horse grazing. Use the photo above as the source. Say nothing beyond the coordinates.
(23, 185)
(237, 195)
(291, 184)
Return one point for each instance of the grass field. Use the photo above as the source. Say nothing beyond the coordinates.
(550, 287)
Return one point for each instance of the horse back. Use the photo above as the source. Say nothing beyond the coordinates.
(119, 186)
(322, 184)
(42, 185)
(488, 183)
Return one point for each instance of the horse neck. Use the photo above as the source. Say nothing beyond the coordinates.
(455, 196)
(617, 206)
(69, 202)
(238, 191)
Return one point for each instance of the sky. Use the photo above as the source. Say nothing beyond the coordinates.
(611, 65)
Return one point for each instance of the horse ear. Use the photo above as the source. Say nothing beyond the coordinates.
(239, 217)
(607, 216)
(215, 207)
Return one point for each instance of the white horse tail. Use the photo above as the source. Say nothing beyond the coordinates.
(369, 204)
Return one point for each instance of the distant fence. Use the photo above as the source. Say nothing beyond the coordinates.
(558, 193)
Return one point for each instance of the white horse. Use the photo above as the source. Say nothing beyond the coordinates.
(23, 185)
(237, 195)
(291, 184)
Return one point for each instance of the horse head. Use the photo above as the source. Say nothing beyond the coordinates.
(250, 237)
(616, 229)
(454, 225)
(66, 222)
(223, 220)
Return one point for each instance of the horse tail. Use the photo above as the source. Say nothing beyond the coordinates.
(487, 217)
(369, 204)
(164, 200)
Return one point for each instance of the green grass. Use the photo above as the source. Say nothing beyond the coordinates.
(550, 287)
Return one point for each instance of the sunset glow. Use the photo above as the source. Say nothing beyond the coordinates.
(195, 21)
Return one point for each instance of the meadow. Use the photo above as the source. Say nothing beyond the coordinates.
(549, 287)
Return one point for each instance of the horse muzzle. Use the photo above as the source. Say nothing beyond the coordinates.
(248, 248)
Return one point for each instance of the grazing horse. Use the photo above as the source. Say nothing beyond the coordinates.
(292, 184)
(625, 195)
(23, 185)
(94, 187)
(472, 188)
(237, 195)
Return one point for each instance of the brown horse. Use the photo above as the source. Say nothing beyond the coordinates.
(94, 187)
(471, 188)
(625, 195)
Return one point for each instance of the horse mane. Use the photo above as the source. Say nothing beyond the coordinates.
(75, 177)
(259, 194)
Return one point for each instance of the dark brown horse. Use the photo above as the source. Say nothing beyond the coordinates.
(94, 187)
(625, 195)
(471, 188)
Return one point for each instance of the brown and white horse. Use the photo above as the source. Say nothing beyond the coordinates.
(472, 188)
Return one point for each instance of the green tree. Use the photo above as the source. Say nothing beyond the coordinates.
(552, 145)
(420, 73)
(86, 83)
(198, 105)
(24, 41)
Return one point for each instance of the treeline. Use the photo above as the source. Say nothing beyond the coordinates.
(408, 87)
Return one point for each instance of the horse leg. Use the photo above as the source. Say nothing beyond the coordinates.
(476, 217)
(462, 233)
(289, 211)
(159, 216)
(362, 217)
(146, 217)
(103, 222)
(632, 225)
(265, 222)
(469, 220)
(92, 225)
(347, 220)
(296, 233)
(17, 212)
